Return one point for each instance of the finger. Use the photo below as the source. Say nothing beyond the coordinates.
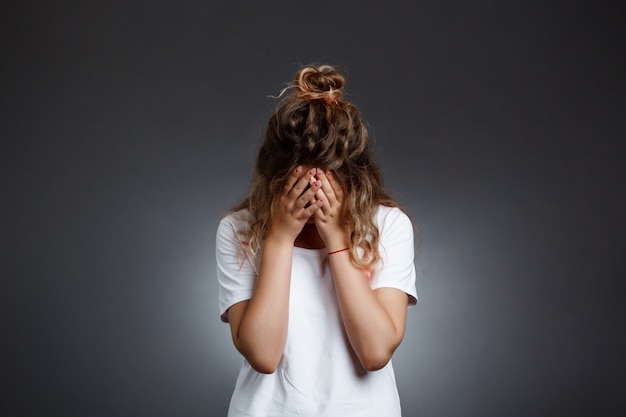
(301, 184)
(309, 194)
(315, 203)
(311, 201)
(325, 206)
(327, 186)
(337, 187)
(291, 180)
(314, 208)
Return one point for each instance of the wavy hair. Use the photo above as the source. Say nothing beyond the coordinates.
(313, 125)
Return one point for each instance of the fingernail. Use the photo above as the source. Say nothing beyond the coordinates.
(297, 170)
(319, 171)
(328, 173)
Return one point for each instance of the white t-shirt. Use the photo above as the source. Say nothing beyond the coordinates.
(318, 375)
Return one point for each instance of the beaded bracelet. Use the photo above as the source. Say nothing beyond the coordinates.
(337, 251)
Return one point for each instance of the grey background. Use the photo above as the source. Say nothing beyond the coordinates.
(128, 128)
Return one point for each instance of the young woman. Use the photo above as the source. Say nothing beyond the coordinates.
(315, 266)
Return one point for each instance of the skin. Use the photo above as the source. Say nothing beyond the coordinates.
(374, 320)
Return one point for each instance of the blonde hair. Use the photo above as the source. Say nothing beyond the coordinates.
(313, 125)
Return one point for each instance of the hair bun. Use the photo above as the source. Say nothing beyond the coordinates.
(321, 83)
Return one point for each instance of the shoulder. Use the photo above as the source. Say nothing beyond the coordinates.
(237, 220)
(233, 225)
(392, 218)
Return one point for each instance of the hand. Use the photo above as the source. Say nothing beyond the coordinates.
(296, 204)
(330, 218)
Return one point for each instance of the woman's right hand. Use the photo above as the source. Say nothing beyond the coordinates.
(292, 209)
(259, 325)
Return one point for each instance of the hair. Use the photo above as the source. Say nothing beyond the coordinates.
(314, 125)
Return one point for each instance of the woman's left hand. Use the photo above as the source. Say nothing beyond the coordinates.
(329, 218)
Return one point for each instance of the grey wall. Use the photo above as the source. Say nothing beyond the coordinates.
(128, 128)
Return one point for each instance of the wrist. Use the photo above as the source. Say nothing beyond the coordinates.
(338, 251)
(340, 243)
(278, 239)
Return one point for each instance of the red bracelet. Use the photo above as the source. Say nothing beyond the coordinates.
(337, 251)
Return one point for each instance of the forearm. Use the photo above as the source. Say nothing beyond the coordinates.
(263, 330)
(370, 328)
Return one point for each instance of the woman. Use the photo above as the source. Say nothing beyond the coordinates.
(315, 266)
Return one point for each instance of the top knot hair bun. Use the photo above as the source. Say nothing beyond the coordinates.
(321, 83)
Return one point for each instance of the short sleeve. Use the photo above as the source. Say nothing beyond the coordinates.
(397, 268)
(236, 274)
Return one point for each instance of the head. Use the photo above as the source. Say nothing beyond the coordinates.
(315, 126)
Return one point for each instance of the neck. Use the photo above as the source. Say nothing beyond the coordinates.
(309, 238)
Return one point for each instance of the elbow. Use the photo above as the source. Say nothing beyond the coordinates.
(263, 358)
(375, 361)
(262, 362)
(263, 367)
(378, 356)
